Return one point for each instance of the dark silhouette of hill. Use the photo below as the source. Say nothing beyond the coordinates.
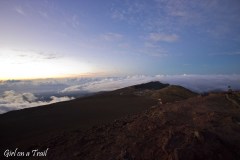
(155, 85)
(167, 93)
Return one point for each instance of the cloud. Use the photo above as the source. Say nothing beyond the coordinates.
(117, 15)
(157, 52)
(236, 53)
(75, 88)
(29, 53)
(112, 36)
(154, 50)
(34, 86)
(10, 100)
(44, 14)
(47, 55)
(107, 84)
(20, 10)
(216, 18)
(21, 96)
(129, 11)
(74, 21)
(156, 37)
(198, 83)
(203, 83)
(12, 97)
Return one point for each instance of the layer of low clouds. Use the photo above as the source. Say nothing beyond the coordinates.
(197, 83)
(10, 100)
(19, 94)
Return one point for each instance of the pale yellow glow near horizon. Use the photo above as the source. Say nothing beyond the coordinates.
(30, 65)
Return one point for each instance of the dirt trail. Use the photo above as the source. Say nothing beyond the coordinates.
(233, 98)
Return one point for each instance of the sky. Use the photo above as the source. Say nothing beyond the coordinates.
(68, 38)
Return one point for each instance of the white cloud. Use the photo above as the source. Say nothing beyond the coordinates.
(10, 100)
(55, 99)
(20, 98)
(195, 82)
(13, 97)
(154, 50)
(107, 84)
(203, 83)
(156, 37)
(74, 88)
(198, 83)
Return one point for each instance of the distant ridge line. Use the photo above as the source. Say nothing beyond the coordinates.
(154, 85)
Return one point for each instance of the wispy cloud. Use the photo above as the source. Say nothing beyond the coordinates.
(32, 54)
(48, 55)
(75, 21)
(129, 11)
(20, 10)
(118, 15)
(112, 36)
(154, 50)
(211, 17)
(163, 37)
(236, 53)
(44, 14)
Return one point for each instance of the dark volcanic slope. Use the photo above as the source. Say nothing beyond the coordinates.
(28, 127)
(34, 123)
(167, 93)
(151, 85)
(199, 128)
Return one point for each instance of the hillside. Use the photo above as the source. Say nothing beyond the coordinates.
(164, 92)
(31, 126)
(199, 128)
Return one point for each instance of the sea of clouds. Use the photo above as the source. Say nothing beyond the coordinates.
(19, 94)
(10, 100)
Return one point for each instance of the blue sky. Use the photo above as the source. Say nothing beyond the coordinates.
(44, 39)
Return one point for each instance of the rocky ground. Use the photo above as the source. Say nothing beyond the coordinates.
(199, 128)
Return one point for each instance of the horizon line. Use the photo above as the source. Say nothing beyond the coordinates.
(92, 75)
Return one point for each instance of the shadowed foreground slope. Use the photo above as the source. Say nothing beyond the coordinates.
(195, 129)
(34, 123)
(30, 127)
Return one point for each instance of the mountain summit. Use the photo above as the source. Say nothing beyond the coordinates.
(154, 85)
